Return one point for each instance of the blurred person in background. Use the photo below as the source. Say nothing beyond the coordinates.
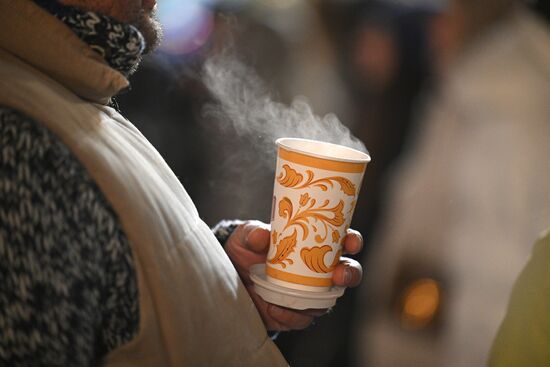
(105, 259)
(387, 66)
(470, 196)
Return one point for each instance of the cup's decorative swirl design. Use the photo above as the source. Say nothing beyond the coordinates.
(291, 178)
(314, 257)
(284, 248)
(314, 199)
(305, 218)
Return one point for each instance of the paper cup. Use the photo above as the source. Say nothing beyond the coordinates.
(315, 192)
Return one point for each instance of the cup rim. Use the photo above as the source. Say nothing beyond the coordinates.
(362, 156)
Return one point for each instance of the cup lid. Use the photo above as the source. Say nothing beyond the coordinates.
(290, 297)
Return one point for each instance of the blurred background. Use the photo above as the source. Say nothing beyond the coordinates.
(452, 100)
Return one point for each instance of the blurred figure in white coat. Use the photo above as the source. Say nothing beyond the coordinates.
(473, 191)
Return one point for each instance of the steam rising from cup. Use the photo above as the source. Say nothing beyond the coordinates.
(244, 102)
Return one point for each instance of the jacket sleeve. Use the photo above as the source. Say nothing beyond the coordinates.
(224, 229)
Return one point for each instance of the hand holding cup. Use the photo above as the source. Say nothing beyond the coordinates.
(248, 245)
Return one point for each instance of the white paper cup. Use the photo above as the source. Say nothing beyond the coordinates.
(315, 192)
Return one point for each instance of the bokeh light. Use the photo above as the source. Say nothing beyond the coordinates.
(420, 303)
(187, 25)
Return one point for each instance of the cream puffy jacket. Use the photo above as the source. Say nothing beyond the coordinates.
(194, 310)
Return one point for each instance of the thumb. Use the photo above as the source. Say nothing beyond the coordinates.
(255, 236)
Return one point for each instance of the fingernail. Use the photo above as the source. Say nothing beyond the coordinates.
(347, 276)
(249, 235)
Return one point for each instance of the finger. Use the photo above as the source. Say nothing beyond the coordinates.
(254, 236)
(262, 307)
(353, 242)
(348, 273)
(292, 319)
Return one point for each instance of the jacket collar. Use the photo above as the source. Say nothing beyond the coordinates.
(50, 46)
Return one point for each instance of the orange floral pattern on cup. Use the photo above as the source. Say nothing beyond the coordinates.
(314, 258)
(310, 216)
(292, 179)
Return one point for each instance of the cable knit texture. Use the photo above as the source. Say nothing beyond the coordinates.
(68, 293)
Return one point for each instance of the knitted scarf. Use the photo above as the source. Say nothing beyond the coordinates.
(120, 44)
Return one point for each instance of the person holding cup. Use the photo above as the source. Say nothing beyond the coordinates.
(105, 260)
